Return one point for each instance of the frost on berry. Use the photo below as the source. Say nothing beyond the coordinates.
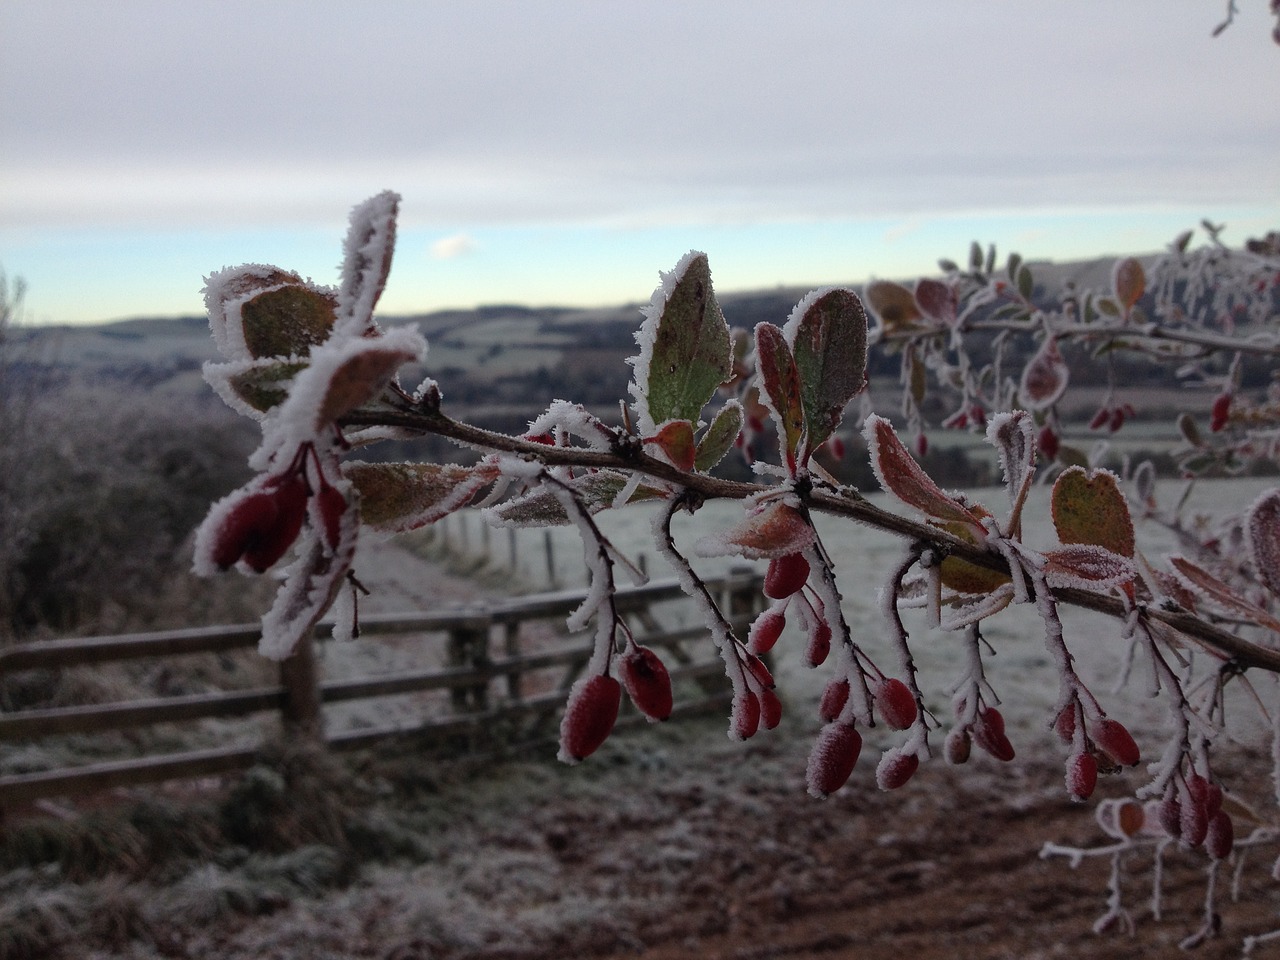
(786, 576)
(1220, 837)
(765, 630)
(1220, 413)
(819, 643)
(896, 768)
(833, 758)
(255, 526)
(1169, 813)
(958, 745)
(1262, 527)
(1064, 724)
(770, 709)
(1114, 739)
(647, 681)
(589, 717)
(760, 672)
(834, 697)
(1082, 776)
(896, 703)
(988, 733)
(744, 715)
(1194, 823)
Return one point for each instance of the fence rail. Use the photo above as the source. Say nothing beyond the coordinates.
(487, 689)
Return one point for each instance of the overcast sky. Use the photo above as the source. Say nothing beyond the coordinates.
(565, 152)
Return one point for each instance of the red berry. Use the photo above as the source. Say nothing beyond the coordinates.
(1194, 823)
(785, 576)
(647, 682)
(1221, 836)
(895, 769)
(834, 755)
(988, 733)
(760, 672)
(770, 709)
(589, 717)
(1130, 817)
(1220, 413)
(332, 506)
(1082, 776)
(1065, 724)
(834, 697)
(1117, 420)
(1100, 418)
(243, 526)
(1048, 442)
(896, 703)
(922, 445)
(744, 720)
(819, 644)
(1115, 741)
(1170, 815)
(765, 631)
(958, 745)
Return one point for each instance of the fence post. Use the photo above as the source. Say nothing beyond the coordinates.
(469, 648)
(299, 677)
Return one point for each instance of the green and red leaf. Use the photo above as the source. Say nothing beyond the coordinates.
(775, 530)
(395, 497)
(685, 352)
(1088, 507)
(780, 388)
(827, 333)
(901, 476)
(720, 437)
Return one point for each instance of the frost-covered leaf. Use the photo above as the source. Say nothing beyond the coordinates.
(1262, 526)
(1026, 283)
(675, 439)
(1222, 593)
(775, 530)
(720, 436)
(1087, 565)
(288, 320)
(263, 385)
(827, 333)
(959, 574)
(893, 303)
(1128, 281)
(257, 311)
(252, 387)
(1044, 378)
(370, 243)
(1014, 437)
(937, 300)
(396, 497)
(901, 476)
(1088, 507)
(684, 347)
(542, 507)
(365, 367)
(780, 388)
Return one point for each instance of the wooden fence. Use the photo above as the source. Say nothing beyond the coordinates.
(487, 672)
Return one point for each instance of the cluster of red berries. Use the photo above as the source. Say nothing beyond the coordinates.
(1107, 744)
(592, 710)
(263, 524)
(974, 415)
(835, 753)
(987, 731)
(1190, 812)
(1111, 416)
